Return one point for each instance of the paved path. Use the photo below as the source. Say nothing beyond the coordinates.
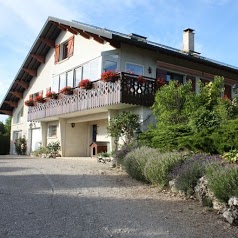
(78, 197)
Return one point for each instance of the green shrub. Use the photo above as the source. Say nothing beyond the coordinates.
(135, 161)
(41, 150)
(53, 147)
(223, 181)
(231, 156)
(158, 168)
(123, 151)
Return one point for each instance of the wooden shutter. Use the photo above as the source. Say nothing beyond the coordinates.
(57, 53)
(70, 46)
(193, 81)
(227, 91)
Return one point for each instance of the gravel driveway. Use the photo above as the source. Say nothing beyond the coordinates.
(79, 197)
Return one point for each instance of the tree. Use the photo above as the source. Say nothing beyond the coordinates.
(123, 125)
(186, 120)
(2, 128)
(8, 126)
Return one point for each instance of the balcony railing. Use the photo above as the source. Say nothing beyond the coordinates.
(127, 89)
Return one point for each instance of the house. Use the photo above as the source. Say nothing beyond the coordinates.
(66, 52)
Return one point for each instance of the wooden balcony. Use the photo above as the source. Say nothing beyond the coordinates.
(126, 90)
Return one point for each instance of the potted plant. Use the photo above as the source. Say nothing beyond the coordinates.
(109, 76)
(85, 84)
(30, 102)
(140, 79)
(67, 90)
(39, 99)
(53, 148)
(52, 95)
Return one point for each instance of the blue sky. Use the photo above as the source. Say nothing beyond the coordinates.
(162, 21)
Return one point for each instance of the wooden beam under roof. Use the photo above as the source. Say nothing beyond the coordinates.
(64, 27)
(39, 58)
(50, 43)
(22, 84)
(32, 72)
(16, 94)
(70, 29)
(9, 113)
(82, 33)
(11, 103)
(97, 38)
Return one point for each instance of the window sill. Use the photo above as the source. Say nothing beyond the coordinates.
(62, 61)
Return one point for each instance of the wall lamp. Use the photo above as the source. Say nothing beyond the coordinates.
(72, 125)
(149, 70)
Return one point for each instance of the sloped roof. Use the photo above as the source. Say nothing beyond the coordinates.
(46, 40)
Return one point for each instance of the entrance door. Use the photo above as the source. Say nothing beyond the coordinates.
(36, 139)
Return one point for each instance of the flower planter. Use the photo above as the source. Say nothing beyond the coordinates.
(85, 84)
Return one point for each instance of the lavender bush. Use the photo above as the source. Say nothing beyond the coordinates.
(187, 173)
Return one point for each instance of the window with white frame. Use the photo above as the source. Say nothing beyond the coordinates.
(19, 116)
(63, 82)
(135, 68)
(52, 131)
(78, 75)
(70, 78)
(55, 84)
(92, 70)
(110, 66)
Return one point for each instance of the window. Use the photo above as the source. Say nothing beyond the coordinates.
(70, 78)
(78, 75)
(64, 50)
(62, 80)
(173, 76)
(134, 68)
(91, 70)
(55, 84)
(94, 133)
(20, 116)
(110, 65)
(52, 131)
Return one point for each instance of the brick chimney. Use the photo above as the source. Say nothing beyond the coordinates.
(188, 40)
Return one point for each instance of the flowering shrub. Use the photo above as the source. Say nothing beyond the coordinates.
(188, 173)
(161, 82)
(67, 90)
(85, 83)
(39, 99)
(20, 146)
(109, 76)
(29, 102)
(52, 95)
